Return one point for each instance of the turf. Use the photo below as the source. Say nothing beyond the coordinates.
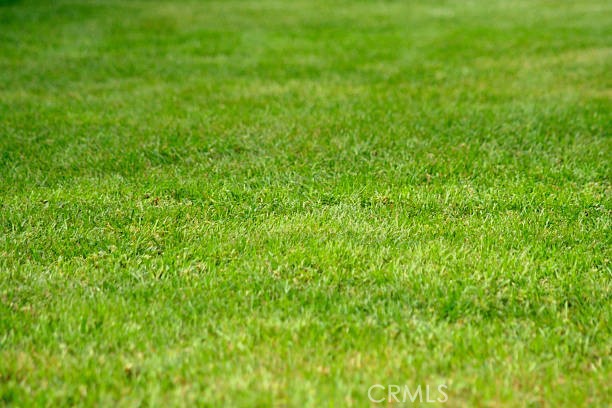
(283, 203)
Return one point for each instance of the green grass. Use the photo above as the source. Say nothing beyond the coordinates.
(255, 203)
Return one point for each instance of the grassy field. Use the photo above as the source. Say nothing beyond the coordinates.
(283, 203)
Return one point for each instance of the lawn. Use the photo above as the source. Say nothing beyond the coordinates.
(286, 203)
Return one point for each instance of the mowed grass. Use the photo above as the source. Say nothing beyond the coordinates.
(283, 203)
